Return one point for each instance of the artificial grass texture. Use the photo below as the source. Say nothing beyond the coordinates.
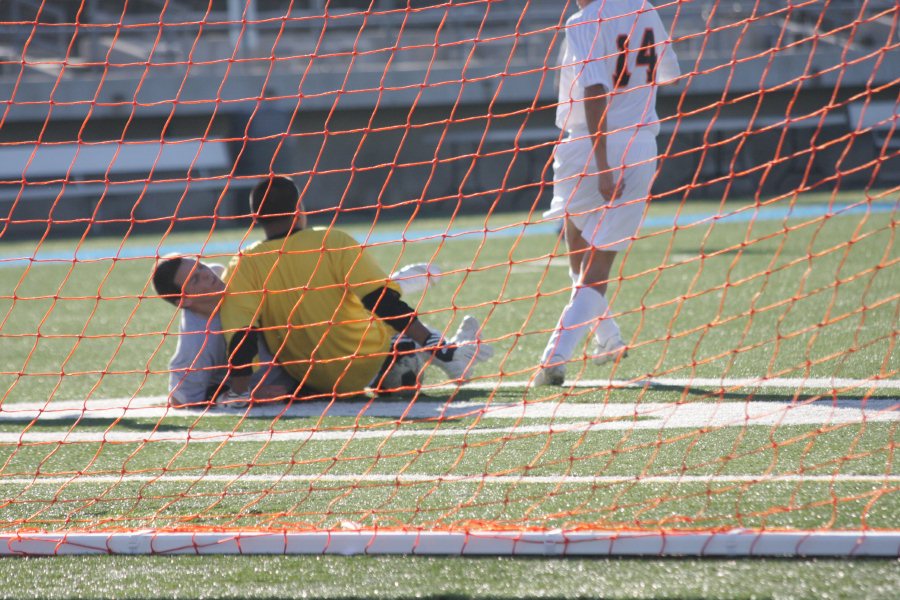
(803, 296)
(303, 484)
(808, 297)
(457, 578)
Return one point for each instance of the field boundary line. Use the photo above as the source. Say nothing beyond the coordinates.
(462, 542)
(602, 417)
(797, 386)
(412, 479)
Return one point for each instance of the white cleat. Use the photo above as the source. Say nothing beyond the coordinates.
(611, 349)
(549, 375)
(468, 351)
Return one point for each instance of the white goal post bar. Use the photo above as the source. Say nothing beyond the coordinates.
(736, 543)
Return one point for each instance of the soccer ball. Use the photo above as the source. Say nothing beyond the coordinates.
(404, 370)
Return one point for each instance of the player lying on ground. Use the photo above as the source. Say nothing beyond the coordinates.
(198, 368)
(321, 304)
(616, 53)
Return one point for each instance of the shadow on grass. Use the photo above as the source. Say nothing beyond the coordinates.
(123, 423)
(791, 397)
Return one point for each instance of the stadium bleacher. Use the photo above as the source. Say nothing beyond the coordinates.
(134, 76)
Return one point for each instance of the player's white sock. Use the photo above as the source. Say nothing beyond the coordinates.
(579, 317)
(607, 326)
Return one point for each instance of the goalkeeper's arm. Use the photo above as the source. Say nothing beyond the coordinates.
(386, 304)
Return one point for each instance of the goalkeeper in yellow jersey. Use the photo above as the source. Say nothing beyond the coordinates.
(198, 368)
(329, 314)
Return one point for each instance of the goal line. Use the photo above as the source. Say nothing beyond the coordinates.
(406, 478)
(732, 543)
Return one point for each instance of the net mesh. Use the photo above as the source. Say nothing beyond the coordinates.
(758, 300)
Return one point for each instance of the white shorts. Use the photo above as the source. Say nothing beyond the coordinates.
(575, 187)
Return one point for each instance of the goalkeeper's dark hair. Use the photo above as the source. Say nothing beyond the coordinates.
(164, 279)
(275, 198)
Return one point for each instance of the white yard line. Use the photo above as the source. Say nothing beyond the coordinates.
(595, 417)
(554, 407)
(349, 539)
(494, 479)
(432, 409)
(800, 384)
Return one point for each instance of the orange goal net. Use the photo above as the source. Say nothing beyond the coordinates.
(459, 277)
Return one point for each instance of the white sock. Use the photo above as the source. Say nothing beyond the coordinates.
(578, 318)
(607, 326)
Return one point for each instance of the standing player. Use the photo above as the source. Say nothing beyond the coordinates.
(616, 53)
(324, 307)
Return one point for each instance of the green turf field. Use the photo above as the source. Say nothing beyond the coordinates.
(809, 296)
(453, 578)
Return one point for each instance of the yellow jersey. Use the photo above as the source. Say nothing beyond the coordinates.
(304, 292)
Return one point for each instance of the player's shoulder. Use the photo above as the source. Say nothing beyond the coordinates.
(316, 237)
(322, 232)
(337, 238)
(613, 9)
(584, 14)
(252, 248)
(601, 10)
(575, 19)
(241, 266)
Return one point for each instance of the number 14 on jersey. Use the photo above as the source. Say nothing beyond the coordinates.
(646, 57)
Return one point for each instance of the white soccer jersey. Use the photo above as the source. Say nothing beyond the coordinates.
(622, 45)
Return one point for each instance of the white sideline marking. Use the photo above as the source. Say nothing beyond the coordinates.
(650, 415)
(407, 478)
(156, 407)
(548, 542)
(799, 384)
